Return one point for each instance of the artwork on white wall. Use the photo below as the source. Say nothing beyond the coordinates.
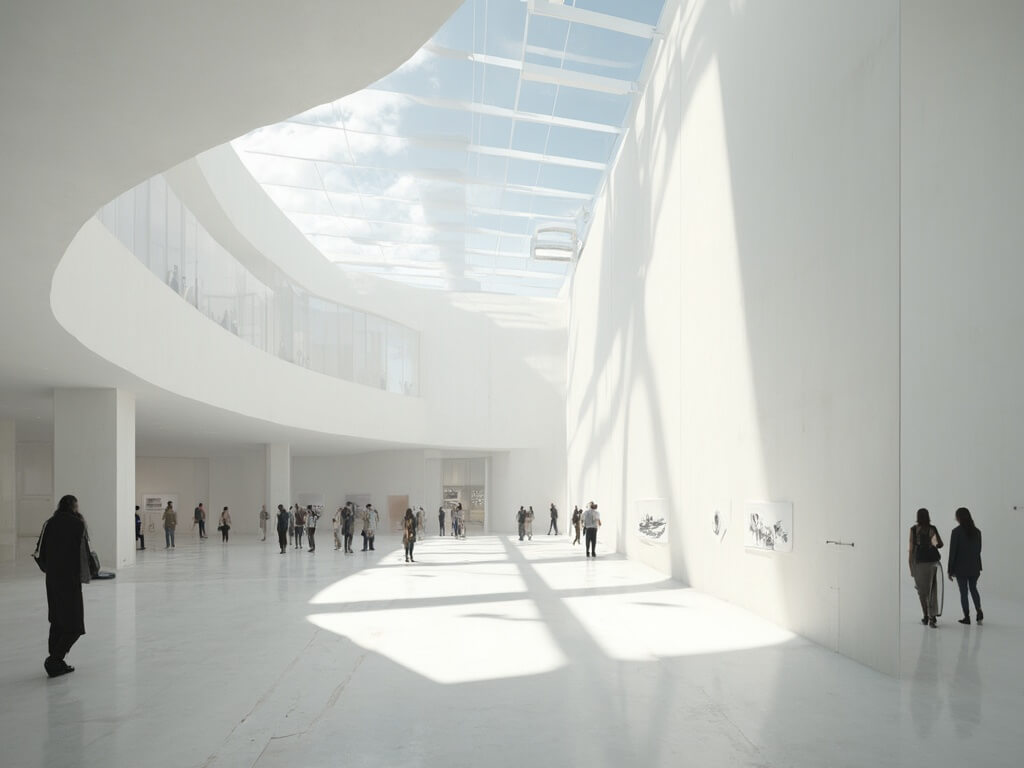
(769, 526)
(651, 521)
(721, 519)
(152, 511)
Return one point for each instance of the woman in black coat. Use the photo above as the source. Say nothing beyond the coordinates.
(965, 562)
(64, 551)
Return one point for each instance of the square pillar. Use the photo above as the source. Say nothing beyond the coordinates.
(8, 495)
(279, 477)
(94, 459)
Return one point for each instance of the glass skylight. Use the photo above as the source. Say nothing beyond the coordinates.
(439, 174)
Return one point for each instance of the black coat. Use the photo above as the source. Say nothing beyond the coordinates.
(62, 550)
(964, 554)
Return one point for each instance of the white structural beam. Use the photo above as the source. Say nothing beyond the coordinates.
(592, 18)
(541, 73)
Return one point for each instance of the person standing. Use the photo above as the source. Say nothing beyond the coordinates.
(455, 521)
(577, 520)
(283, 521)
(199, 519)
(312, 516)
(591, 522)
(521, 522)
(370, 522)
(264, 517)
(554, 519)
(965, 562)
(291, 526)
(421, 519)
(64, 555)
(925, 544)
(139, 536)
(409, 534)
(170, 520)
(336, 528)
(348, 526)
(300, 525)
(224, 525)
(440, 519)
(529, 523)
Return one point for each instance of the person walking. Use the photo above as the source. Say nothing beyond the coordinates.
(170, 521)
(370, 522)
(965, 562)
(554, 519)
(455, 521)
(440, 519)
(312, 516)
(291, 526)
(300, 525)
(336, 528)
(409, 534)
(64, 555)
(139, 536)
(421, 522)
(529, 523)
(591, 522)
(577, 522)
(264, 517)
(925, 544)
(224, 525)
(348, 526)
(521, 522)
(283, 521)
(199, 519)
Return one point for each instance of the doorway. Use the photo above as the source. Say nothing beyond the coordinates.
(464, 481)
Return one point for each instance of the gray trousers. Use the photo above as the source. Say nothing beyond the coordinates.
(926, 579)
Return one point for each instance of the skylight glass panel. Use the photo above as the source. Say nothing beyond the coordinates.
(504, 122)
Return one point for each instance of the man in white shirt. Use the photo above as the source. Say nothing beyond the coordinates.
(591, 522)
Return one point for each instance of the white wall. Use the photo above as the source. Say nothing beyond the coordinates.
(8, 490)
(734, 328)
(238, 482)
(189, 478)
(962, 240)
(35, 503)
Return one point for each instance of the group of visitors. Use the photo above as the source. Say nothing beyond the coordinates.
(964, 564)
(294, 523)
(458, 521)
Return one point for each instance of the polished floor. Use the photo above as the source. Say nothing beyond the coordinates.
(486, 652)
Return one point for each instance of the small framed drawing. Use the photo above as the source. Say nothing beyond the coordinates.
(769, 526)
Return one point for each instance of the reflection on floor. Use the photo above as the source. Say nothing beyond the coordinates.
(486, 652)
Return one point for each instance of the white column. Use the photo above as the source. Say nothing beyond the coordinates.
(279, 476)
(94, 459)
(8, 519)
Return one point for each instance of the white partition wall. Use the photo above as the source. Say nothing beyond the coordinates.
(735, 317)
(8, 494)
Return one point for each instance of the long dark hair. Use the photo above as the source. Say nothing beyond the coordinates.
(923, 518)
(963, 516)
(408, 514)
(66, 506)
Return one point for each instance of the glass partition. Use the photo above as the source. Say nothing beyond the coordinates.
(280, 318)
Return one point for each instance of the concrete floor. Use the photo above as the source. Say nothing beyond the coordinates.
(486, 652)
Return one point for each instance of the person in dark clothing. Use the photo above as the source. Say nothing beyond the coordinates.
(139, 536)
(965, 562)
(300, 525)
(577, 521)
(440, 518)
(348, 526)
(282, 526)
(554, 519)
(409, 534)
(925, 567)
(312, 516)
(64, 550)
(521, 522)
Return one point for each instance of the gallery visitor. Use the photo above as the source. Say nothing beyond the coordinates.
(554, 519)
(925, 544)
(440, 519)
(139, 535)
(312, 516)
(370, 522)
(64, 555)
(170, 521)
(283, 522)
(348, 526)
(965, 562)
(300, 525)
(577, 521)
(199, 519)
(529, 523)
(409, 534)
(591, 522)
(521, 522)
(224, 525)
(336, 528)
(421, 522)
(264, 517)
(455, 521)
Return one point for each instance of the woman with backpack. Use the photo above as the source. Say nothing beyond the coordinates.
(965, 562)
(925, 544)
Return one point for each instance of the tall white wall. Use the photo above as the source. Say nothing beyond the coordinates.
(34, 463)
(962, 165)
(8, 490)
(734, 326)
(187, 477)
